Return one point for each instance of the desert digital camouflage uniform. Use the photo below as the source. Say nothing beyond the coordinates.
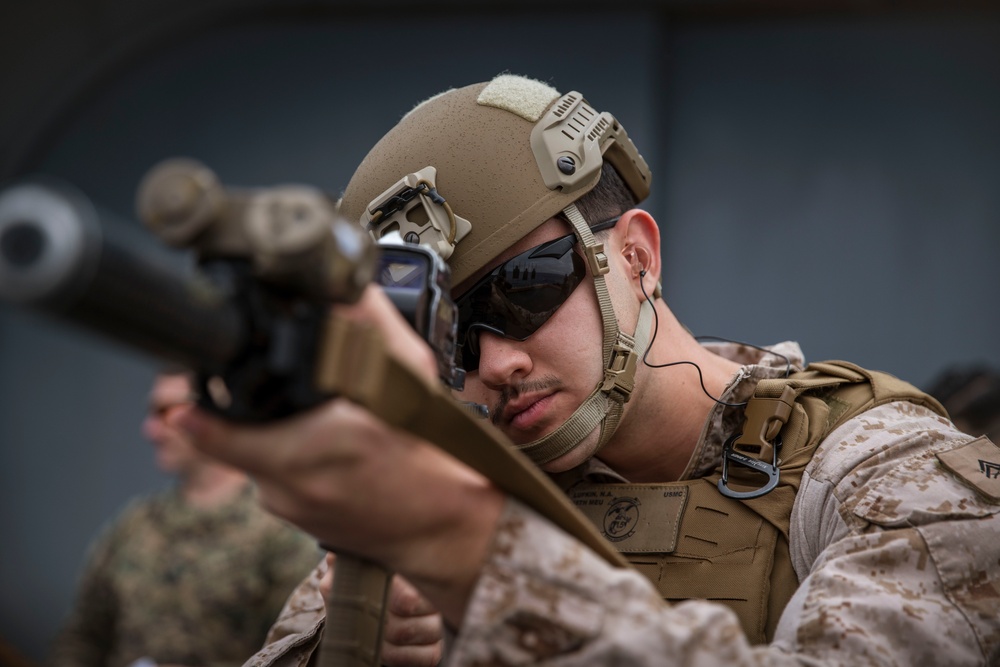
(183, 585)
(898, 560)
(295, 636)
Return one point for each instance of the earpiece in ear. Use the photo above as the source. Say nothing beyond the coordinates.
(642, 258)
(635, 262)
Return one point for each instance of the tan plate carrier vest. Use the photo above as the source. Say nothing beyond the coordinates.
(736, 551)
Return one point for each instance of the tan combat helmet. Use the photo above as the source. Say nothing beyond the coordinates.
(471, 171)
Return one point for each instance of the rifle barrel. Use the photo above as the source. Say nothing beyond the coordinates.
(61, 254)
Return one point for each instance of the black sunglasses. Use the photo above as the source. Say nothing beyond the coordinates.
(516, 298)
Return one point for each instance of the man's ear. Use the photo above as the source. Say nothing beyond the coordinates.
(640, 249)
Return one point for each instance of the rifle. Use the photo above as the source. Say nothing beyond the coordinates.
(254, 317)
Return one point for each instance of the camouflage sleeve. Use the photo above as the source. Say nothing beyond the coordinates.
(899, 557)
(295, 636)
(86, 637)
(900, 564)
(303, 608)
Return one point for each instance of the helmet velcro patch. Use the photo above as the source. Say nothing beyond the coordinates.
(519, 95)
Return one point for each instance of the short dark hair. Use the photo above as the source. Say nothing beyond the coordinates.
(608, 199)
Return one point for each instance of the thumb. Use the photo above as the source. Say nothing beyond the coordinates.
(222, 440)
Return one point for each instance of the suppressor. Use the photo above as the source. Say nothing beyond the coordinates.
(63, 255)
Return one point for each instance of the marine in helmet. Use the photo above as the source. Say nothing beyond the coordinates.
(536, 195)
(775, 513)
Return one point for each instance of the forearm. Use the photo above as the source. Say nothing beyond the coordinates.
(543, 596)
(884, 597)
(445, 564)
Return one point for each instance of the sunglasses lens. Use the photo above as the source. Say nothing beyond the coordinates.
(519, 296)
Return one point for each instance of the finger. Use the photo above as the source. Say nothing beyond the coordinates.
(411, 656)
(326, 581)
(413, 630)
(209, 433)
(400, 338)
(406, 600)
(260, 449)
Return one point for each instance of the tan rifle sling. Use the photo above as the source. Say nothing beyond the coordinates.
(355, 363)
(735, 551)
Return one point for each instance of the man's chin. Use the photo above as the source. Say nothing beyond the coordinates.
(166, 463)
(580, 453)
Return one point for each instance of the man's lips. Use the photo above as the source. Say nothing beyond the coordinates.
(526, 410)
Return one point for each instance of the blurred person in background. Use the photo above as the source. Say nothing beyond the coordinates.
(193, 575)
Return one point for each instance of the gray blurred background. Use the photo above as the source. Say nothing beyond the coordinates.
(827, 172)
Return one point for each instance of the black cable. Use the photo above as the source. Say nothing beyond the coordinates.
(701, 379)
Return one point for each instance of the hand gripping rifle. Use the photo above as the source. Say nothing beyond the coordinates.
(253, 318)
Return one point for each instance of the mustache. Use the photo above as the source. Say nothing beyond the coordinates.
(510, 392)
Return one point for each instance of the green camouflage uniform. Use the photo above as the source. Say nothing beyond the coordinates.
(183, 585)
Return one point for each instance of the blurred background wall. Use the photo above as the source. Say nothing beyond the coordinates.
(829, 175)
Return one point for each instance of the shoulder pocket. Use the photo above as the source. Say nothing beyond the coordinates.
(924, 489)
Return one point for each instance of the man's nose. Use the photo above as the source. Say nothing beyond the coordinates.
(152, 427)
(502, 360)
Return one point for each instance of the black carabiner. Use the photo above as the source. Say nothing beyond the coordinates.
(730, 455)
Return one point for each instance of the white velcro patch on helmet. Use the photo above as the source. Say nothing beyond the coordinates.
(519, 95)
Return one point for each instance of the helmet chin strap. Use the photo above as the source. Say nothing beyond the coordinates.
(621, 352)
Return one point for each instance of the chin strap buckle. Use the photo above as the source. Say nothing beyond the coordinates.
(620, 372)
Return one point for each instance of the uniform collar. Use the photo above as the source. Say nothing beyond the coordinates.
(724, 421)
